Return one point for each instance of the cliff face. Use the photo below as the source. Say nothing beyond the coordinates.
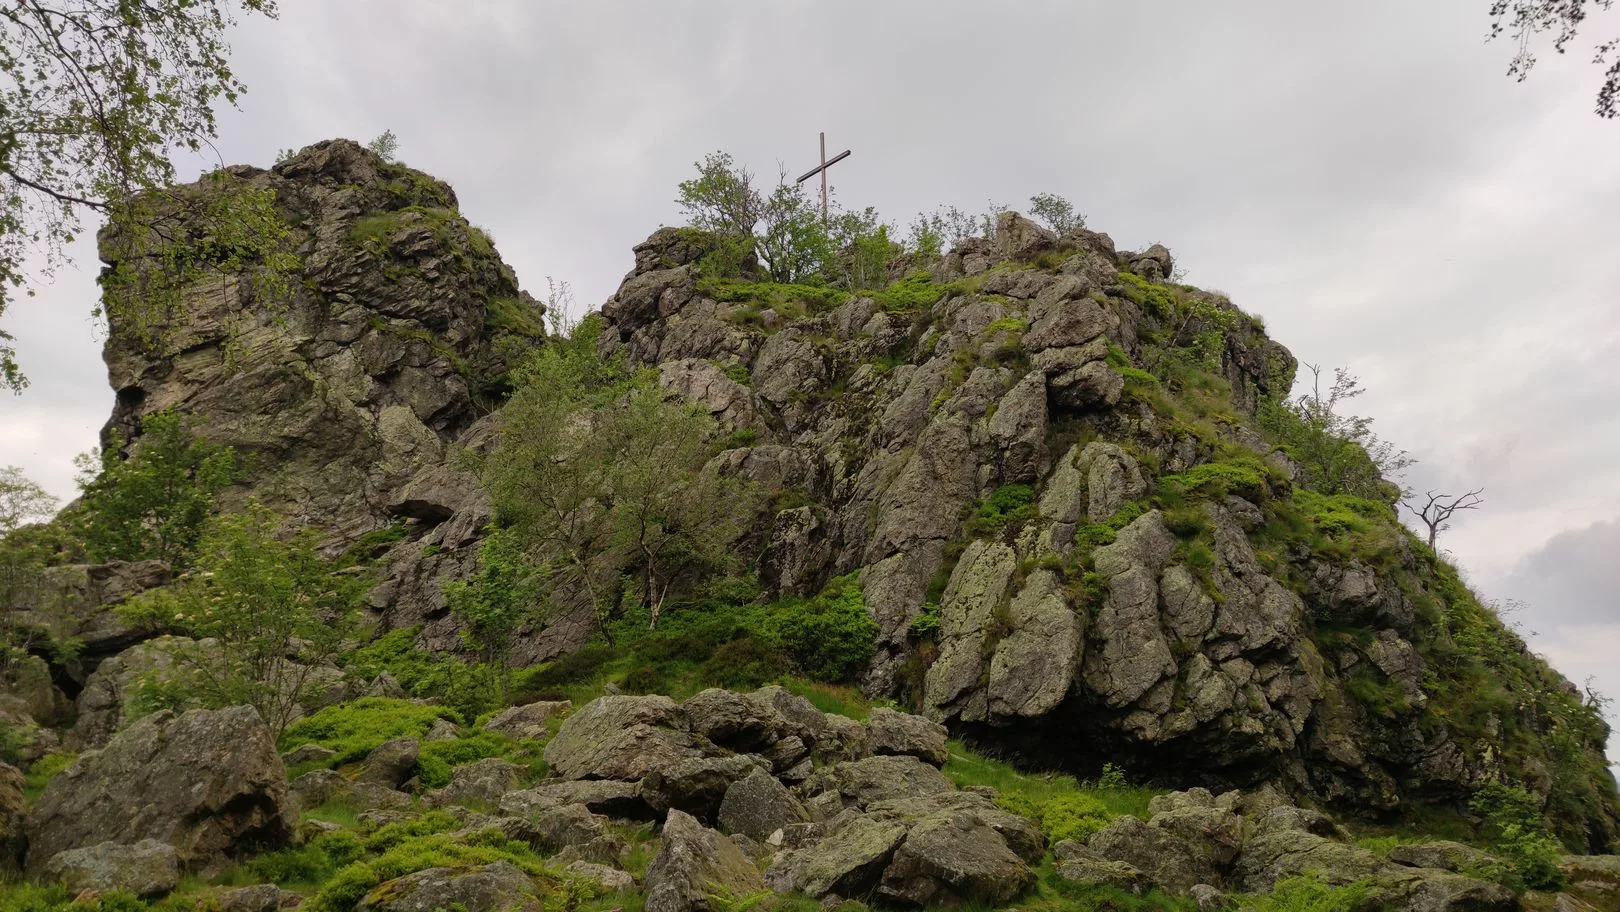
(1077, 561)
(1078, 540)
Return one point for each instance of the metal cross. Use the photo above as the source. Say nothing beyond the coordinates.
(821, 169)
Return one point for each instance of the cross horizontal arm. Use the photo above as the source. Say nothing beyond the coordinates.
(819, 168)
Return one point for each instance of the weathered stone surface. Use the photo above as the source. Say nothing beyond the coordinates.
(1443, 855)
(103, 705)
(1035, 664)
(146, 868)
(318, 787)
(952, 858)
(695, 785)
(607, 878)
(614, 798)
(1165, 856)
(497, 887)
(620, 737)
(693, 864)
(735, 721)
(1076, 862)
(528, 721)
(848, 862)
(1019, 430)
(901, 733)
(391, 763)
(758, 806)
(13, 816)
(207, 782)
(860, 783)
(482, 782)
(258, 898)
(977, 584)
(1133, 654)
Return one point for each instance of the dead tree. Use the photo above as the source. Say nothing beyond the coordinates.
(1437, 509)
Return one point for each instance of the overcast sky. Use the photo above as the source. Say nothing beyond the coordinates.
(1360, 174)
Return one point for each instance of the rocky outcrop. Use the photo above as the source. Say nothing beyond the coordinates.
(207, 783)
(693, 865)
(147, 868)
(497, 887)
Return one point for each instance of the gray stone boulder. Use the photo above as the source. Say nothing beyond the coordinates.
(1083, 865)
(954, 858)
(1443, 855)
(741, 722)
(904, 734)
(323, 786)
(104, 703)
(694, 864)
(696, 786)
(849, 861)
(258, 898)
(601, 796)
(1019, 238)
(759, 806)
(307, 753)
(497, 887)
(482, 782)
(146, 868)
(604, 876)
(859, 783)
(551, 830)
(208, 783)
(391, 763)
(621, 737)
(527, 722)
(1167, 857)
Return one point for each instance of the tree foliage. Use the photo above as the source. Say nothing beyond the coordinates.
(603, 479)
(1528, 20)
(496, 603)
(21, 501)
(152, 504)
(1058, 213)
(276, 611)
(95, 96)
(385, 146)
(1337, 453)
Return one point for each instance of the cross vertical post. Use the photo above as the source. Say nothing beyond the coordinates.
(821, 169)
(824, 179)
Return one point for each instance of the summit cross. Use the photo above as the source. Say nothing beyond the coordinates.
(821, 169)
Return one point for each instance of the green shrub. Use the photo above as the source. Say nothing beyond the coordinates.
(44, 770)
(351, 883)
(1520, 834)
(1310, 893)
(1006, 505)
(311, 863)
(547, 680)
(1074, 816)
(915, 292)
(746, 663)
(828, 637)
(1245, 476)
(438, 759)
(355, 729)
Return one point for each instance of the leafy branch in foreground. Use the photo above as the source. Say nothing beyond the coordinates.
(95, 97)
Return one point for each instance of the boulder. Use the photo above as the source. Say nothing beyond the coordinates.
(859, 783)
(740, 722)
(758, 806)
(527, 722)
(497, 887)
(849, 861)
(1019, 238)
(954, 858)
(620, 737)
(208, 782)
(146, 868)
(480, 782)
(1080, 864)
(904, 734)
(600, 796)
(696, 786)
(1167, 858)
(608, 878)
(693, 865)
(258, 898)
(307, 753)
(551, 830)
(391, 763)
(323, 786)
(1443, 855)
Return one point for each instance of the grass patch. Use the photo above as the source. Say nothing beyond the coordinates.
(965, 768)
(355, 729)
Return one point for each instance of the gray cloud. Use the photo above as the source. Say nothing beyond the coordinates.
(1361, 174)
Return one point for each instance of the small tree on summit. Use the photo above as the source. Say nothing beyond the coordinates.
(385, 146)
(1437, 509)
(1057, 212)
(722, 197)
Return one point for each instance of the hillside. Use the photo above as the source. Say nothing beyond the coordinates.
(1030, 494)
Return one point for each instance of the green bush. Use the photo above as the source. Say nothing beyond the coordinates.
(1073, 816)
(1006, 505)
(438, 759)
(311, 863)
(355, 729)
(1520, 834)
(351, 883)
(1310, 893)
(1246, 476)
(746, 663)
(828, 637)
(912, 293)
